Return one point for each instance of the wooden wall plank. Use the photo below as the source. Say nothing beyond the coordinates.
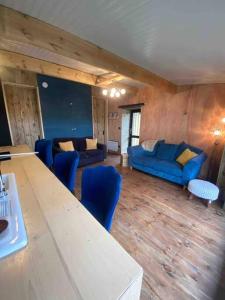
(23, 114)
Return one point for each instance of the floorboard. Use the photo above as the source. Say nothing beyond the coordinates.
(180, 243)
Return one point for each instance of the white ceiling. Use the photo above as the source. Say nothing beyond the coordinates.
(181, 40)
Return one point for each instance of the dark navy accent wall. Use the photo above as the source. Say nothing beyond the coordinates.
(66, 108)
(5, 139)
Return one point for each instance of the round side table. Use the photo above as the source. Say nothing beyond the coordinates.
(203, 189)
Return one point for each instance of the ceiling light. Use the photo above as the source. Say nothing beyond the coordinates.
(113, 92)
(117, 94)
(223, 120)
(105, 92)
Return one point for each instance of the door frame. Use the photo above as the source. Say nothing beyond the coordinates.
(131, 124)
(21, 85)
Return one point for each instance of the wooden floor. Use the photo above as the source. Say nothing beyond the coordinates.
(179, 242)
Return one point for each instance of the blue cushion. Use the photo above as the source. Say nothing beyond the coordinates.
(166, 151)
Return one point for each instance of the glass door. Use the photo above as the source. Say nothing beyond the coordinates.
(134, 131)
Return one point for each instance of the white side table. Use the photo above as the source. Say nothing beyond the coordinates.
(203, 189)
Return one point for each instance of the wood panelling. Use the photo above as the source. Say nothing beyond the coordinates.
(17, 76)
(180, 243)
(24, 118)
(190, 115)
(23, 29)
(99, 119)
(20, 93)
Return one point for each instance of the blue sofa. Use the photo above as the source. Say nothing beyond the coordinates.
(162, 161)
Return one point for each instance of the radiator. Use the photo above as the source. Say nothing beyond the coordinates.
(113, 146)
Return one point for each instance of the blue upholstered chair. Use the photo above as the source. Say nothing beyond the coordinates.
(65, 168)
(100, 191)
(44, 147)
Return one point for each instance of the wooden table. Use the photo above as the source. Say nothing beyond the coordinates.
(69, 254)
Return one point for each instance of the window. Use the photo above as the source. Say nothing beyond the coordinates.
(135, 122)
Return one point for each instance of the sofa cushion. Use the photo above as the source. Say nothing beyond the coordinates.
(166, 151)
(66, 146)
(169, 167)
(90, 153)
(93, 152)
(87, 159)
(91, 144)
(183, 146)
(145, 160)
(149, 145)
(78, 143)
(186, 156)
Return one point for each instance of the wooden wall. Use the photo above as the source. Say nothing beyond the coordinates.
(17, 76)
(190, 115)
(20, 92)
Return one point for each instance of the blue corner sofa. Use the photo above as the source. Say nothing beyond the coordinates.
(161, 161)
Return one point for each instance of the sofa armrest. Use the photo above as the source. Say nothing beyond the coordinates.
(102, 147)
(192, 169)
(134, 151)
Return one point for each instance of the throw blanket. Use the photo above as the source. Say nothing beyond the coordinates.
(149, 145)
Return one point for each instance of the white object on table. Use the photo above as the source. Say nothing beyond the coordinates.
(203, 189)
(14, 237)
(17, 154)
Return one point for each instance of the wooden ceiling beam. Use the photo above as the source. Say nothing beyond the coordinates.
(27, 63)
(24, 29)
(104, 81)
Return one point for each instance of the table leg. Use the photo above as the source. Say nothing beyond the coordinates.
(208, 203)
(191, 196)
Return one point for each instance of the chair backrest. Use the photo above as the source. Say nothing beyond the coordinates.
(44, 147)
(101, 186)
(65, 168)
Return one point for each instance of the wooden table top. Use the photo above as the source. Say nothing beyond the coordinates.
(69, 254)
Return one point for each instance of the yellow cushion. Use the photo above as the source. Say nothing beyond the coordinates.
(91, 144)
(66, 146)
(186, 156)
